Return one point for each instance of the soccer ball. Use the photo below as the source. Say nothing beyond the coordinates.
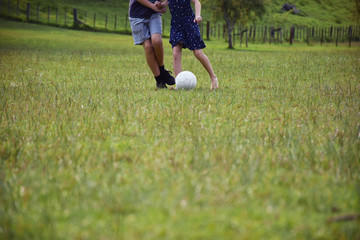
(185, 80)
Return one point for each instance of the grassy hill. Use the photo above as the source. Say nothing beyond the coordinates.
(312, 13)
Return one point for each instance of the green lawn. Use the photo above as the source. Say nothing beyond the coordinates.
(89, 149)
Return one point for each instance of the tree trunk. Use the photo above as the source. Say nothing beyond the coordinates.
(229, 29)
(230, 39)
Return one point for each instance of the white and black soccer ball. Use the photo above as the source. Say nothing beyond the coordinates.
(185, 80)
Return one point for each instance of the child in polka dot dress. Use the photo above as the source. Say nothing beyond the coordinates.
(185, 33)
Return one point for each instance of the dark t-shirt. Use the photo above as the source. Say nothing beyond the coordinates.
(137, 10)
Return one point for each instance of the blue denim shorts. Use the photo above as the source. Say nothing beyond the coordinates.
(143, 28)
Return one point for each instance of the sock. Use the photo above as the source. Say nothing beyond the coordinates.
(162, 68)
(158, 79)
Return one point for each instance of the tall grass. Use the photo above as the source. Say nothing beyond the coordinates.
(90, 150)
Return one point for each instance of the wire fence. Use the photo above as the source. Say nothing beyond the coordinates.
(63, 16)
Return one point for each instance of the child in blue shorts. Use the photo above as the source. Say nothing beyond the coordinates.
(146, 26)
(185, 33)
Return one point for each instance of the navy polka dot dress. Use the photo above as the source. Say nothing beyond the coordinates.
(183, 29)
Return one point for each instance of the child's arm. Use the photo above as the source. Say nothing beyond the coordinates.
(151, 5)
(198, 17)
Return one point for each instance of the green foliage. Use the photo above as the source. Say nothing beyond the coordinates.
(236, 11)
(356, 10)
(90, 150)
(232, 11)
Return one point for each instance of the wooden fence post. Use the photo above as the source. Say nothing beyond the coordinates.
(57, 14)
(308, 35)
(254, 35)
(322, 36)
(241, 36)
(37, 12)
(331, 31)
(76, 22)
(106, 19)
(337, 36)
(28, 12)
(224, 31)
(233, 36)
(265, 33)
(126, 19)
(292, 34)
(297, 33)
(48, 18)
(208, 30)
(247, 34)
(346, 32)
(65, 16)
(339, 32)
(271, 31)
(94, 20)
(9, 6)
(17, 8)
(350, 35)
(115, 22)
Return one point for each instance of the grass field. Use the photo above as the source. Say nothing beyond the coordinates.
(89, 149)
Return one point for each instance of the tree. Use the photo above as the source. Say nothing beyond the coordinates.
(235, 11)
(357, 10)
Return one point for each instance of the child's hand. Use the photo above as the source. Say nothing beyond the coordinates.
(158, 4)
(157, 7)
(160, 7)
(214, 84)
(197, 19)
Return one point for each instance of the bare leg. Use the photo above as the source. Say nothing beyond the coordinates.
(150, 57)
(156, 40)
(199, 54)
(177, 52)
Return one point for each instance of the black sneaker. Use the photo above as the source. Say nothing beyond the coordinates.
(167, 78)
(160, 84)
